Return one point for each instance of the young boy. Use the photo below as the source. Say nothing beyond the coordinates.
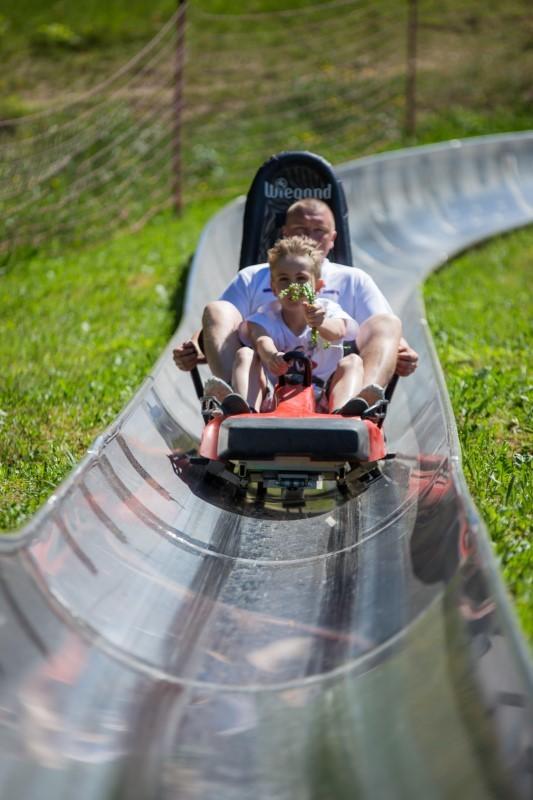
(288, 324)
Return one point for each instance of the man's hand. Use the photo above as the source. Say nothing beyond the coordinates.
(187, 355)
(407, 359)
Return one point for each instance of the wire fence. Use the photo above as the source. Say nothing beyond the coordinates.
(193, 114)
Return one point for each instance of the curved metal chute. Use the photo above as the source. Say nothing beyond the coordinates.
(159, 640)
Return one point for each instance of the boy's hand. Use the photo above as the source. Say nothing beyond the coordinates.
(314, 315)
(275, 363)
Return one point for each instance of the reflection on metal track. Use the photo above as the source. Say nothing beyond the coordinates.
(158, 641)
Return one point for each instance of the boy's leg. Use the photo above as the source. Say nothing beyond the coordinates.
(346, 382)
(220, 323)
(248, 378)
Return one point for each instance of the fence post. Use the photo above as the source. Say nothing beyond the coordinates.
(410, 82)
(177, 172)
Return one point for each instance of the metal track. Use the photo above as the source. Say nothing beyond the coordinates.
(160, 641)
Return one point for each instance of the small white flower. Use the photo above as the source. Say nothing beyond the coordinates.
(85, 326)
(161, 292)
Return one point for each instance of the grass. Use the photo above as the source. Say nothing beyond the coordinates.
(480, 311)
(96, 23)
(79, 333)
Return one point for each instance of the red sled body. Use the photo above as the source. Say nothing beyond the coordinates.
(293, 447)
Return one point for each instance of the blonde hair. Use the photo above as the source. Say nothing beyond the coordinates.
(301, 246)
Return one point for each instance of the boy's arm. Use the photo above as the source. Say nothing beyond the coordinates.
(266, 349)
(330, 328)
(333, 329)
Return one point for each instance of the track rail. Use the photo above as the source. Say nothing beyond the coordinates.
(157, 641)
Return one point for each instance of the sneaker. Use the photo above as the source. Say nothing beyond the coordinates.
(353, 408)
(234, 404)
(210, 408)
(372, 393)
(217, 388)
(369, 403)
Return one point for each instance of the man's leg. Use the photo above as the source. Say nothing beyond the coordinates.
(378, 340)
(346, 382)
(220, 323)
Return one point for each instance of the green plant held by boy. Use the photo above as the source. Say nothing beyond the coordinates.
(304, 291)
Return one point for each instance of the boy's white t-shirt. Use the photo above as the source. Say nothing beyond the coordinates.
(325, 359)
(350, 287)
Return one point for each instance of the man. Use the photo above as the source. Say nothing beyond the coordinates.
(378, 338)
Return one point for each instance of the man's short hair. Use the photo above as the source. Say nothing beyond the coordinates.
(310, 205)
(300, 246)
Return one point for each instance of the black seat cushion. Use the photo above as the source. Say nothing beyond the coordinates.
(323, 439)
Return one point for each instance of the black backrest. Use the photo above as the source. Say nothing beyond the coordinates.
(282, 180)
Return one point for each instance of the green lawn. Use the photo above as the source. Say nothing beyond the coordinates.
(480, 310)
(78, 334)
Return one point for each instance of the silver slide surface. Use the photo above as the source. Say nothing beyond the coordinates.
(158, 640)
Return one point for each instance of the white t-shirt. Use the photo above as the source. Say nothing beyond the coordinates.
(325, 359)
(350, 287)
